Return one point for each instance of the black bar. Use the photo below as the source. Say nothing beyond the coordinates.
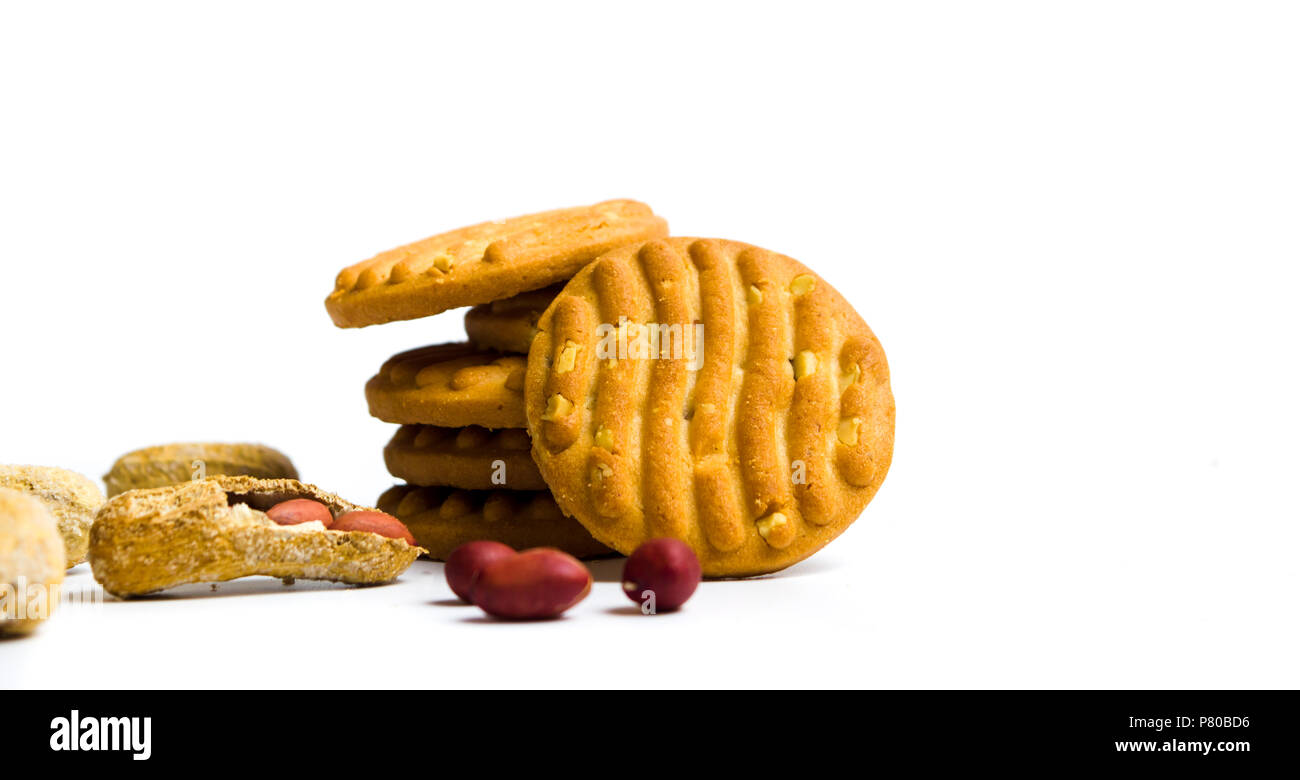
(1031, 729)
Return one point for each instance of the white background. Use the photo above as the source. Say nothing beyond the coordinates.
(1073, 227)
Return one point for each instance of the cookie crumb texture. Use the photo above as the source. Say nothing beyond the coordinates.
(72, 498)
(450, 385)
(757, 459)
(31, 556)
(485, 262)
(443, 519)
(216, 529)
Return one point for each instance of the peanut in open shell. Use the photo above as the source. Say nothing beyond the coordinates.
(216, 529)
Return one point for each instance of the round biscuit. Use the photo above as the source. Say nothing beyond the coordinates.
(509, 325)
(485, 262)
(450, 385)
(473, 457)
(759, 431)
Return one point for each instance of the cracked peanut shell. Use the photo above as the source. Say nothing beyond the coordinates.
(72, 498)
(216, 529)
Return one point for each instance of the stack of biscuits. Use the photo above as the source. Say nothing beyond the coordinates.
(619, 385)
(463, 449)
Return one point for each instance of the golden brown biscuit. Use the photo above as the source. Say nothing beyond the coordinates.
(443, 519)
(509, 325)
(485, 262)
(72, 498)
(169, 464)
(474, 458)
(32, 561)
(450, 385)
(214, 530)
(757, 448)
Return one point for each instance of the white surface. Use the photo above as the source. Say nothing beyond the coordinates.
(1074, 230)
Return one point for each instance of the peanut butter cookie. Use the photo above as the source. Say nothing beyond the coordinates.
(443, 519)
(473, 458)
(450, 385)
(485, 262)
(710, 391)
(509, 325)
(72, 498)
(169, 464)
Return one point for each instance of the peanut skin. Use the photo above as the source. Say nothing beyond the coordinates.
(663, 569)
(375, 523)
(534, 585)
(301, 510)
(466, 561)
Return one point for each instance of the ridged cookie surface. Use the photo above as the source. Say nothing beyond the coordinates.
(474, 457)
(510, 324)
(757, 438)
(214, 530)
(443, 519)
(169, 464)
(485, 262)
(450, 385)
(31, 562)
(71, 497)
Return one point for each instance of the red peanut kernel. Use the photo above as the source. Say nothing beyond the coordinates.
(301, 510)
(661, 575)
(375, 523)
(466, 561)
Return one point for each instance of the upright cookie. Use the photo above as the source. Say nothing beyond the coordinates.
(72, 498)
(473, 458)
(170, 464)
(509, 325)
(443, 519)
(714, 392)
(450, 385)
(485, 262)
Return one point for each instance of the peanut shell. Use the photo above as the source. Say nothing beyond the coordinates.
(71, 498)
(32, 562)
(169, 464)
(216, 529)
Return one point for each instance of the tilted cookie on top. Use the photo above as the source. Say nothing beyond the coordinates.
(485, 262)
